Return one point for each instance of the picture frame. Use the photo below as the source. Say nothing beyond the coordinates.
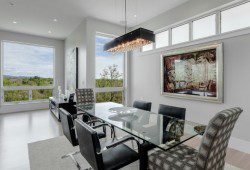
(194, 73)
(72, 70)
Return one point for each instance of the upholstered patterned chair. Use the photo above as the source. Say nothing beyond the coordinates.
(212, 151)
(85, 96)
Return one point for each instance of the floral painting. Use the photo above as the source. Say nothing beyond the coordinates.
(72, 71)
(193, 74)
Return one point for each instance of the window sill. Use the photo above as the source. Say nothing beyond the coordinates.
(25, 102)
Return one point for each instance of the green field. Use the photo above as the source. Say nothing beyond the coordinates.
(23, 95)
(27, 81)
(110, 77)
(109, 96)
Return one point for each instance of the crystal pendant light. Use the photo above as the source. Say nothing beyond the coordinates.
(130, 41)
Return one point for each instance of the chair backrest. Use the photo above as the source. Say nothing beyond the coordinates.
(68, 126)
(85, 96)
(89, 144)
(176, 112)
(212, 152)
(143, 105)
(172, 111)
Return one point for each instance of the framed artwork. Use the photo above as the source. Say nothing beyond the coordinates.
(193, 73)
(72, 71)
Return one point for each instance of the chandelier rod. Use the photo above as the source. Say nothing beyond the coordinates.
(125, 16)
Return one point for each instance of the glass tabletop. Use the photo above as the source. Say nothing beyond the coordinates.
(162, 131)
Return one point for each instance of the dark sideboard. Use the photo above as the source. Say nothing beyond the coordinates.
(55, 104)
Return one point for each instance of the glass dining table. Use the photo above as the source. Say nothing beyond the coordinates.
(153, 129)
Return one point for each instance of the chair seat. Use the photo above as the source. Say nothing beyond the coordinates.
(181, 157)
(101, 134)
(118, 157)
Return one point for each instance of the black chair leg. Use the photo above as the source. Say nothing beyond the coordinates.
(143, 150)
(71, 155)
(113, 135)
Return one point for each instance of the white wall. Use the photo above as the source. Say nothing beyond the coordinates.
(189, 9)
(84, 38)
(145, 74)
(77, 39)
(59, 66)
(94, 26)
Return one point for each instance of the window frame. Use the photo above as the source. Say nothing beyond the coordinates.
(112, 89)
(180, 25)
(27, 88)
(218, 34)
(166, 30)
(228, 8)
(202, 17)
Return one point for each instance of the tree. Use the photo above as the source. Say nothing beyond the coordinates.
(110, 77)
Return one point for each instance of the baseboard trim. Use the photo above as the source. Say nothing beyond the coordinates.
(239, 144)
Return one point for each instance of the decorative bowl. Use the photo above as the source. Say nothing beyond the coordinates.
(123, 110)
(200, 129)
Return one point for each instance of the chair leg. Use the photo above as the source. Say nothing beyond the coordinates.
(113, 135)
(132, 142)
(71, 155)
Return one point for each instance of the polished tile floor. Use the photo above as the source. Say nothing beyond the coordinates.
(18, 129)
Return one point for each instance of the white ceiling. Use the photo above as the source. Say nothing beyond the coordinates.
(36, 16)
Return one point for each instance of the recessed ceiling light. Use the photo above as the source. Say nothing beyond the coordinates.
(14, 22)
(11, 4)
(55, 20)
(135, 16)
(49, 32)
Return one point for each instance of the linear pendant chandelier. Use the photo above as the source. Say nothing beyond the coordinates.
(130, 41)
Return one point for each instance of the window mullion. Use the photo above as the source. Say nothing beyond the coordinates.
(30, 95)
(190, 30)
(1, 97)
(170, 36)
(218, 22)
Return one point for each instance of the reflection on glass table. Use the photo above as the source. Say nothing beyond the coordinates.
(162, 131)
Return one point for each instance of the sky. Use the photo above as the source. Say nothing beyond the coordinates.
(27, 60)
(105, 59)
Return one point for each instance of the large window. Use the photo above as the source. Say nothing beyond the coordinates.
(235, 18)
(204, 27)
(180, 34)
(109, 72)
(27, 72)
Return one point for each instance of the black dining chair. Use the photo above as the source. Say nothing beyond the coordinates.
(170, 112)
(67, 122)
(143, 105)
(114, 156)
